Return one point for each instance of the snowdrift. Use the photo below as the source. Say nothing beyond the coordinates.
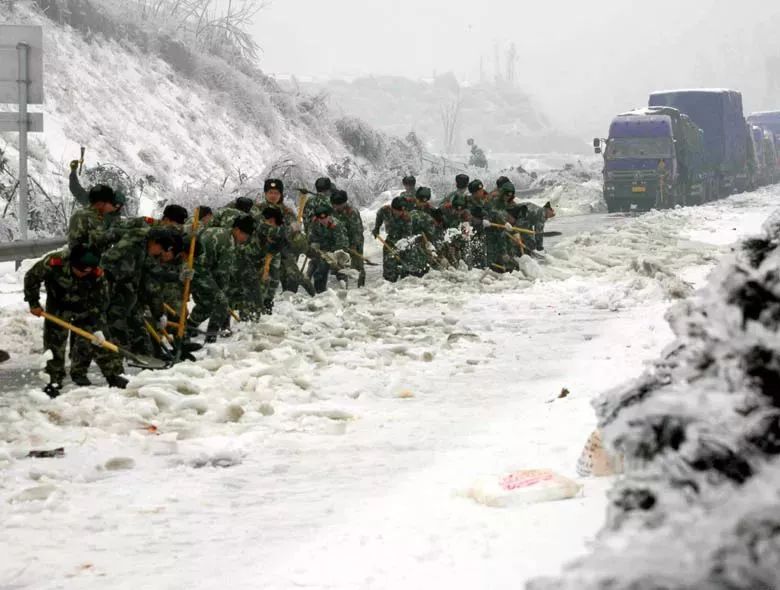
(700, 431)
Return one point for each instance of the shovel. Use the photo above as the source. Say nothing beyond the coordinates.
(136, 360)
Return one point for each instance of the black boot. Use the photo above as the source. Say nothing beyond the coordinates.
(117, 381)
(81, 380)
(53, 389)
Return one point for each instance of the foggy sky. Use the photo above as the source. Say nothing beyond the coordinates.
(583, 61)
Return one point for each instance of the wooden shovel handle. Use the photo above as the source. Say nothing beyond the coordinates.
(76, 330)
(185, 298)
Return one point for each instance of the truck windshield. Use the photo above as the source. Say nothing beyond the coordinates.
(639, 147)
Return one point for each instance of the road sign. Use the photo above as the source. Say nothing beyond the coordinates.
(10, 37)
(10, 122)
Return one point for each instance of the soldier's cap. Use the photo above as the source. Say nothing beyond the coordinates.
(175, 213)
(273, 184)
(477, 212)
(338, 197)
(323, 209)
(245, 224)
(409, 180)
(423, 193)
(162, 236)
(459, 202)
(273, 213)
(244, 204)
(323, 184)
(547, 205)
(507, 188)
(101, 193)
(82, 257)
(205, 211)
(462, 181)
(475, 186)
(398, 203)
(502, 180)
(120, 199)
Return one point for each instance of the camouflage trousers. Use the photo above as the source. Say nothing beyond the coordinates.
(211, 303)
(82, 352)
(392, 268)
(125, 319)
(356, 263)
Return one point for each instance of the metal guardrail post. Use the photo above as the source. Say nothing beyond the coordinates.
(26, 249)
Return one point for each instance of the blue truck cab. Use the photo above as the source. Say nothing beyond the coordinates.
(639, 162)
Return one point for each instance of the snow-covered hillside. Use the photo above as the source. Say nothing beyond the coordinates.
(131, 108)
(334, 444)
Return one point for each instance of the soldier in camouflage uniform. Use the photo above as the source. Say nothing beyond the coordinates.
(456, 218)
(351, 220)
(409, 194)
(499, 243)
(82, 196)
(461, 189)
(326, 235)
(421, 252)
(289, 275)
(213, 273)
(91, 226)
(75, 292)
(398, 226)
(324, 188)
(534, 218)
(127, 266)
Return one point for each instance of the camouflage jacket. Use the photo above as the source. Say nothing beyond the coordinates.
(126, 261)
(351, 220)
(225, 217)
(295, 243)
(397, 227)
(328, 234)
(453, 217)
(312, 203)
(219, 255)
(448, 199)
(80, 298)
(89, 227)
(535, 221)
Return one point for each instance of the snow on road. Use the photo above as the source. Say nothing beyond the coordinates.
(333, 445)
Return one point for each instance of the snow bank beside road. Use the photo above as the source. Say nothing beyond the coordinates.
(699, 505)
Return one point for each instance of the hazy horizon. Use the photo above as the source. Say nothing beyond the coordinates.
(582, 63)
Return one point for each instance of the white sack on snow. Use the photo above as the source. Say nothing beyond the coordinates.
(527, 486)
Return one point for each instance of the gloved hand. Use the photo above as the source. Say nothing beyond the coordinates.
(375, 234)
(186, 274)
(486, 223)
(295, 227)
(74, 165)
(99, 339)
(508, 226)
(162, 322)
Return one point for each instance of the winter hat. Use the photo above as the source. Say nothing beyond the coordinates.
(119, 198)
(507, 188)
(273, 184)
(323, 184)
(274, 213)
(245, 223)
(100, 193)
(475, 186)
(82, 257)
(423, 193)
(323, 209)
(175, 213)
(205, 211)
(462, 181)
(398, 204)
(409, 181)
(243, 204)
(502, 180)
(338, 197)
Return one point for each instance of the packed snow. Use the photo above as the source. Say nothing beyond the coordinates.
(342, 441)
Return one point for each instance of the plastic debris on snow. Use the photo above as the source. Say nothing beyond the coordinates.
(523, 487)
